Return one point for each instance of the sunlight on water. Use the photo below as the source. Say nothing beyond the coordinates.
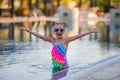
(34, 58)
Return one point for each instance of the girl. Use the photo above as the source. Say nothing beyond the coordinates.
(60, 44)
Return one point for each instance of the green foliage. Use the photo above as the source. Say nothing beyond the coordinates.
(102, 4)
(94, 2)
(115, 0)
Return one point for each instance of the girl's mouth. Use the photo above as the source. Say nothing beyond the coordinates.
(59, 34)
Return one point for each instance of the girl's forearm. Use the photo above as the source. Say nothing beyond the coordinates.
(84, 34)
(81, 35)
(40, 36)
(77, 36)
(33, 33)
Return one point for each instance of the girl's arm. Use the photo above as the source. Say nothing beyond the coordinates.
(38, 35)
(69, 39)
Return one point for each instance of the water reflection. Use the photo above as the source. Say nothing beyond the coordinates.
(13, 32)
(33, 58)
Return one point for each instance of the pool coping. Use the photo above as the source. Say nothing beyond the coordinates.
(82, 73)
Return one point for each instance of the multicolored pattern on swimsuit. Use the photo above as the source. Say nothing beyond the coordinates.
(58, 55)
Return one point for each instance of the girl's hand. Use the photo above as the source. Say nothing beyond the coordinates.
(24, 28)
(95, 31)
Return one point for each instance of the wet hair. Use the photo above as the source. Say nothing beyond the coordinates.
(62, 23)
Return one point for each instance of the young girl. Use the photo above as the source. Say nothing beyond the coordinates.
(60, 44)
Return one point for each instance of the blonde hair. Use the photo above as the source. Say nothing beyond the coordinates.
(62, 23)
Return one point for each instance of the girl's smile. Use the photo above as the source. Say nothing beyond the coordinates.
(59, 34)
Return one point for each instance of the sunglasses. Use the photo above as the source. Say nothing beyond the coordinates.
(56, 30)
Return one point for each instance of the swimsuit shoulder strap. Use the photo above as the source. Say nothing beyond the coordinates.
(62, 41)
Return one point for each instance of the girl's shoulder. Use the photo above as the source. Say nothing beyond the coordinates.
(53, 41)
(65, 40)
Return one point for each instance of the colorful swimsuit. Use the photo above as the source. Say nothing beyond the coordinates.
(59, 56)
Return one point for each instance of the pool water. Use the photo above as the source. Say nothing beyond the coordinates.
(32, 60)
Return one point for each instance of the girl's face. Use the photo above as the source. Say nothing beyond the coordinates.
(59, 30)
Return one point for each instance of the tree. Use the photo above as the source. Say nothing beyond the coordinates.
(115, 0)
(101, 4)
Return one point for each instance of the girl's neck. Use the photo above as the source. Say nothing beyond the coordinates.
(60, 38)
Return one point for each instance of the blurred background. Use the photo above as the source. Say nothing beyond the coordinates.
(79, 15)
(21, 50)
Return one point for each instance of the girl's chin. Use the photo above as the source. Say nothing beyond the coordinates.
(59, 36)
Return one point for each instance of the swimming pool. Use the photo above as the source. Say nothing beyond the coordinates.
(32, 60)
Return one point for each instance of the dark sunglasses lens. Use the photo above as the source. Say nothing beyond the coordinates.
(56, 30)
(61, 30)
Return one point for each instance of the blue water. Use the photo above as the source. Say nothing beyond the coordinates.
(32, 60)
